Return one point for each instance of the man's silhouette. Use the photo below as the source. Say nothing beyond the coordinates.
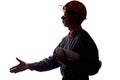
(76, 55)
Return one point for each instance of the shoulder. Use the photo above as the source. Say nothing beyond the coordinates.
(86, 40)
(84, 34)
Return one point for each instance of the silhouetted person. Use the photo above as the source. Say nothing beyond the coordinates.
(76, 55)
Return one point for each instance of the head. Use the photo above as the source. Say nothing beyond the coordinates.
(74, 14)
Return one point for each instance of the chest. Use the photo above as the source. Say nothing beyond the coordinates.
(69, 43)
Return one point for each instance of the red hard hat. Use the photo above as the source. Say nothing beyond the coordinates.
(77, 7)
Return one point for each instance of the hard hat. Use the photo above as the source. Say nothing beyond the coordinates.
(77, 7)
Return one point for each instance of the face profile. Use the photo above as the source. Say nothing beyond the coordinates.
(68, 18)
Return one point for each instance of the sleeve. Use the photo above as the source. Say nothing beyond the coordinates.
(45, 64)
(89, 63)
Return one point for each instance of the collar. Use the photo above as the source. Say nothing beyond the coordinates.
(73, 32)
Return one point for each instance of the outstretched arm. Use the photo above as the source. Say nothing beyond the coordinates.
(43, 65)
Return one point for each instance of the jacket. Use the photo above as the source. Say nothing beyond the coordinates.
(83, 45)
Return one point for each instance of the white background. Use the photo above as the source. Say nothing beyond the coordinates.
(31, 29)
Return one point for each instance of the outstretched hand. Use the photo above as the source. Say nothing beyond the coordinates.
(20, 67)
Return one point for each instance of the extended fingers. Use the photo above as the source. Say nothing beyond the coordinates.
(18, 59)
(13, 69)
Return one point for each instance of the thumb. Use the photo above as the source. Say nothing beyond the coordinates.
(19, 60)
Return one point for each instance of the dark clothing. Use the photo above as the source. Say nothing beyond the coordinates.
(83, 45)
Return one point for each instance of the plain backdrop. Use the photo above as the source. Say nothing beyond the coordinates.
(31, 29)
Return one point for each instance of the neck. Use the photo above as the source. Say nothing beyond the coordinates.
(74, 31)
(74, 28)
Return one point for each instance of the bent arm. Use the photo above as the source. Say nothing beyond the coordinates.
(68, 55)
(71, 55)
